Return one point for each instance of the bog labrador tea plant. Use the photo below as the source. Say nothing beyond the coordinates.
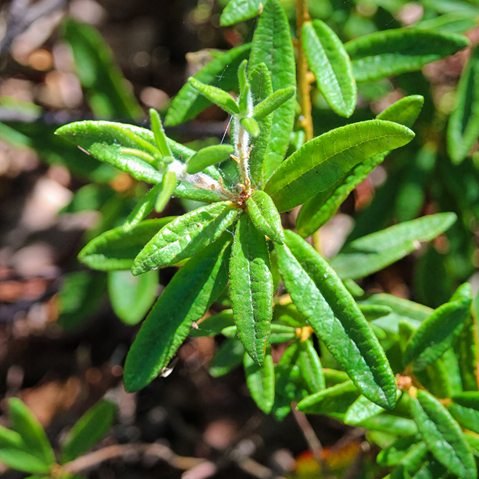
(403, 372)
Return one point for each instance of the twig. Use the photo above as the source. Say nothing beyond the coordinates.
(313, 442)
(355, 467)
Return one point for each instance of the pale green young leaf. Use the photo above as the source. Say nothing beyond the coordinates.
(10, 439)
(273, 102)
(251, 288)
(220, 72)
(391, 52)
(405, 111)
(272, 45)
(261, 88)
(251, 126)
(265, 216)
(185, 236)
(361, 410)
(331, 67)
(31, 431)
(321, 162)
(208, 156)
(215, 95)
(143, 208)
(260, 381)
(438, 333)
(132, 296)
(336, 318)
(463, 128)
(159, 133)
(310, 366)
(88, 430)
(454, 22)
(239, 11)
(116, 249)
(374, 311)
(375, 251)
(229, 356)
(23, 461)
(213, 325)
(168, 186)
(443, 436)
(186, 299)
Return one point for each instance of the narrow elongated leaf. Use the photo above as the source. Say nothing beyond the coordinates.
(159, 133)
(272, 45)
(466, 352)
(438, 333)
(469, 399)
(10, 439)
(261, 88)
(213, 325)
(280, 333)
(443, 435)
(31, 431)
(185, 236)
(142, 209)
(330, 64)
(310, 366)
(319, 163)
(392, 455)
(378, 250)
(466, 417)
(391, 52)
(405, 111)
(260, 381)
(103, 81)
(23, 461)
(132, 296)
(265, 216)
(251, 288)
(168, 186)
(455, 22)
(389, 424)
(238, 11)
(216, 95)
(463, 128)
(88, 430)
(374, 311)
(116, 249)
(208, 156)
(273, 102)
(360, 410)
(335, 317)
(220, 72)
(229, 356)
(186, 299)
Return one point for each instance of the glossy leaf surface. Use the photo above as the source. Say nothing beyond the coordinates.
(208, 156)
(319, 163)
(238, 11)
(330, 64)
(185, 236)
(251, 288)
(391, 52)
(265, 216)
(186, 299)
(260, 381)
(336, 399)
(336, 319)
(405, 111)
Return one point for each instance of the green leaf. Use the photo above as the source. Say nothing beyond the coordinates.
(229, 356)
(88, 430)
(116, 249)
(455, 22)
(213, 325)
(319, 163)
(468, 399)
(463, 128)
(443, 435)
(390, 424)
(251, 126)
(273, 102)
(374, 311)
(466, 417)
(79, 297)
(330, 64)
(405, 111)
(168, 186)
(159, 134)
(336, 318)
(104, 84)
(215, 95)
(23, 461)
(211, 155)
(393, 455)
(333, 400)
(265, 216)
(310, 366)
(31, 431)
(132, 296)
(360, 410)
(185, 236)
(261, 88)
(260, 381)
(239, 11)
(272, 45)
(198, 192)
(466, 351)
(143, 208)
(251, 288)
(391, 52)
(10, 439)
(220, 72)
(280, 333)
(373, 252)
(186, 299)
(438, 333)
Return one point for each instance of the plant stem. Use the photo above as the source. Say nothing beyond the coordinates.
(302, 16)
